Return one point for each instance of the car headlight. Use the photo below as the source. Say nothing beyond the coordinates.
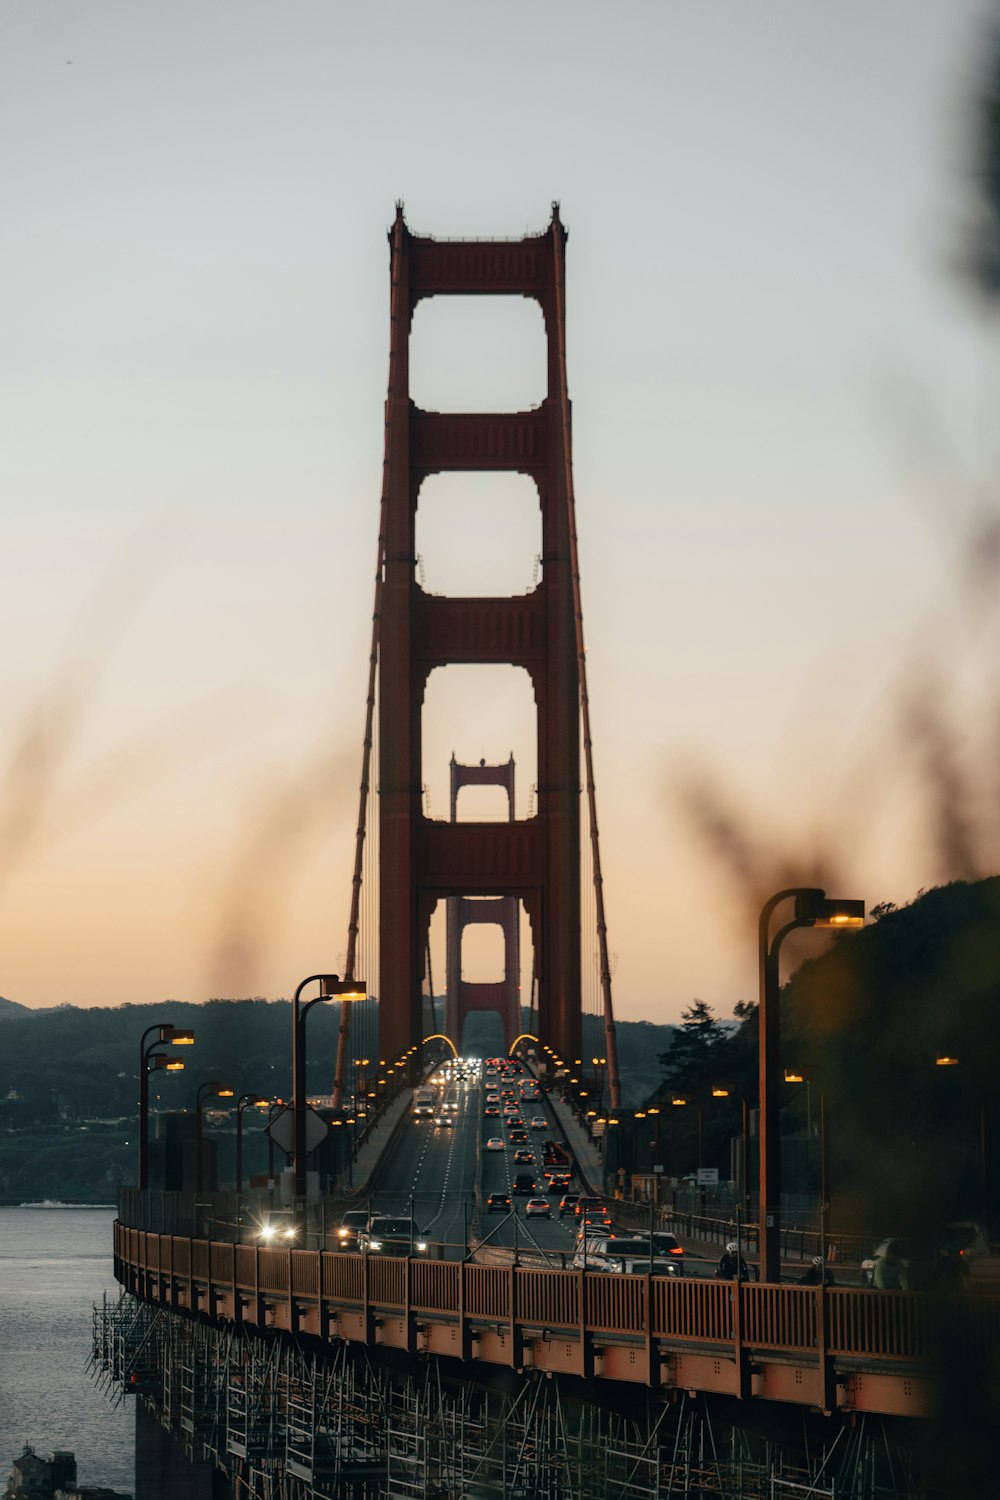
(421, 1244)
(375, 1245)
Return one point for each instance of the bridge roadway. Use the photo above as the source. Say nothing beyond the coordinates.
(842, 1348)
(446, 1174)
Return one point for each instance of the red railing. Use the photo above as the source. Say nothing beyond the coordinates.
(840, 1321)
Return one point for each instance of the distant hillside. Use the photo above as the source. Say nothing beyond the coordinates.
(10, 1008)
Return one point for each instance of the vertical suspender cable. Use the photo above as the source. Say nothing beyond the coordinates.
(366, 758)
(610, 1040)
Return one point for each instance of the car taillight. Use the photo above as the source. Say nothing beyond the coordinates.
(676, 1250)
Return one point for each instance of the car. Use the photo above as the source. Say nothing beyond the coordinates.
(524, 1183)
(909, 1263)
(665, 1243)
(444, 1119)
(492, 1098)
(584, 1204)
(567, 1204)
(537, 1208)
(595, 1223)
(635, 1250)
(558, 1182)
(392, 1236)
(518, 1137)
(538, 1122)
(498, 1203)
(347, 1231)
(523, 1157)
(492, 1111)
(494, 1143)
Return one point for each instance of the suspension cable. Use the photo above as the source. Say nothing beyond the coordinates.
(610, 1040)
(366, 757)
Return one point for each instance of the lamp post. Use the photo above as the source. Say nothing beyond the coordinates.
(813, 908)
(221, 1091)
(808, 1077)
(949, 1060)
(332, 987)
(726, 1091)
(245, 1101)
(273, 1108)
(149, 1061)
(599, 1066)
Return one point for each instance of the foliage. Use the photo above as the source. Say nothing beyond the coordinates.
(866, 1021)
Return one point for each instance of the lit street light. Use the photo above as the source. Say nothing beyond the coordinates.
(813, 908)
(726, 1091)
(245, 1101)
(221, 1091)
(332, 987)
(808, 1077)
(150, 1061)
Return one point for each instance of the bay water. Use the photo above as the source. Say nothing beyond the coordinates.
(55, 1263)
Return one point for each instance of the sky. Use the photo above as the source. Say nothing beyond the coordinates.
(782, 399)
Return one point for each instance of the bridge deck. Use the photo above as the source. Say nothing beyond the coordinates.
(828, 1348)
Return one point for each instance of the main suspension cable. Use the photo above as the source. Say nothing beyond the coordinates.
(610, 1040)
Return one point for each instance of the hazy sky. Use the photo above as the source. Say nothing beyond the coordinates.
(782, 424)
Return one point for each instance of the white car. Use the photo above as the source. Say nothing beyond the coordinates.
(494, 1143)
(539, 1208)
(538, 1122)
(444, 1120)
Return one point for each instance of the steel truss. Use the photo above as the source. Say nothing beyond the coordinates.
(292, 1421)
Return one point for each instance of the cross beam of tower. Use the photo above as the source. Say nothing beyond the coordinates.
(535, 860)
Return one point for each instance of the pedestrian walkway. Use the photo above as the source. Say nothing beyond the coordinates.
(587, 1153)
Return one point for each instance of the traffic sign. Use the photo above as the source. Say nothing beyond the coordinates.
(708, 1177)
(282, 1129)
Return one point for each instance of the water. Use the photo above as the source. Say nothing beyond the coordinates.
(55, 1263)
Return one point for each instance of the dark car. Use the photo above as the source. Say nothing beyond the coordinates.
(523, 1157)
(524, 1183)
(498, 1203)
(905, 1263)
(347, 1231)
(518, 1137)
(392, 1236)
(558, 1181)
(567, 1204)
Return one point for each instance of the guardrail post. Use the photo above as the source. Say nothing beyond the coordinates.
(828, 1388)
(740, 1353)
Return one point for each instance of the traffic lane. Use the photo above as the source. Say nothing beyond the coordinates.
(427, 1160)
(499, 1170)
(430, 1173)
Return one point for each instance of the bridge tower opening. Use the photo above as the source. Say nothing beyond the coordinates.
(535, 860)
(504, 995)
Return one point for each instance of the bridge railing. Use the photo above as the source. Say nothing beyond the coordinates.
(835, 1321)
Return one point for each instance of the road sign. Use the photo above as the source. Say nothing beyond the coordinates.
(282, 1129)
(708, 1177)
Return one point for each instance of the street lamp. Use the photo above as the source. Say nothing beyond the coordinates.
(949, 1060)
(150, 1061)
(245, 1101)
(807, 1076)
(727, 1091)
(332, 987)
(813, 908)
(221, 1091)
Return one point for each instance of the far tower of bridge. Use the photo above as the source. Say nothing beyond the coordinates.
(465, 996)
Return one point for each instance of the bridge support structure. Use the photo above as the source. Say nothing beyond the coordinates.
(289, 1419)
(535, 860)
(504, 995)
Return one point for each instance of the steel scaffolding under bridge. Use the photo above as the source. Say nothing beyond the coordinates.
(287, 1418)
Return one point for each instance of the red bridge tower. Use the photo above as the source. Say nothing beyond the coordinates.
(536, 860)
